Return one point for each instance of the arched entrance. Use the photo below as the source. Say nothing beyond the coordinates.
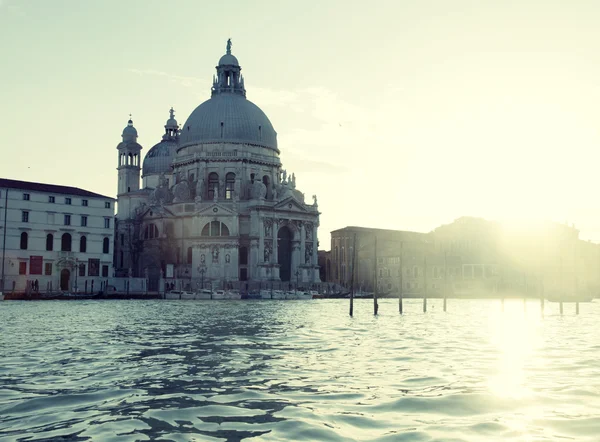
(284, 253)
(65, 276)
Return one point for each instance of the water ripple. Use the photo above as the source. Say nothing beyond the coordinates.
(302, 371)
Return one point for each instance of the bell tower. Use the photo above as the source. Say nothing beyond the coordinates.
(129, 160)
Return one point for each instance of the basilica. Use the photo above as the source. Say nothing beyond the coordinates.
(211, 203)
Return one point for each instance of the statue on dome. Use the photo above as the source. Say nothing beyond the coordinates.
(293, 179)
(229, 45)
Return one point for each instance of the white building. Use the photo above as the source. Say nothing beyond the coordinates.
(215, 203)
(62, 237)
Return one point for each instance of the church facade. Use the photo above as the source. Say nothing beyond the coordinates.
(211, 203)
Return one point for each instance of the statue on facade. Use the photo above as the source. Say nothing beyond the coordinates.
(293, 180)
(215, 255)
(314, 200)
(227, 258)
(181, 192)
(268, 223)
(284, 174)
(267, 254)
(199, 190)
(202, 259)
(215, 193)
(259, 190)
(229, 45)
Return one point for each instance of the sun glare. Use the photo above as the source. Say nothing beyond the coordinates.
(515, 334)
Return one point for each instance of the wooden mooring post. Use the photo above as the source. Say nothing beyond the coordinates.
(576, 308)
(424, 305)
(352, 277)
(444, 304)
(400, 303)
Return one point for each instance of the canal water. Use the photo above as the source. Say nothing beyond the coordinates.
(298, 371)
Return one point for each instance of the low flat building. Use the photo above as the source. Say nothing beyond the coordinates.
(54, 237)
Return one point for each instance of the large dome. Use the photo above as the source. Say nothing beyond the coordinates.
(228, 118)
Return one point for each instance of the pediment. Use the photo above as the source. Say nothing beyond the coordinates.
(215, 209)
(290, 204)
(152, 212)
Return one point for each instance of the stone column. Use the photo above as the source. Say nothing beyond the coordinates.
(315, 257)
(261, 241)
(253, 259)
(296, 259)
(302, 242)
(275, 228)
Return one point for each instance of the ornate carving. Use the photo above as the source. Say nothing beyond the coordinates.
(308, 253)
(268, 223)
(268, 251)
(202, 259)
(309, 231)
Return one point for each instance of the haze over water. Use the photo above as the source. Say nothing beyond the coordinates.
(302, 371)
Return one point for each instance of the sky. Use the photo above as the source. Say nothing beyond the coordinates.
(396, 114)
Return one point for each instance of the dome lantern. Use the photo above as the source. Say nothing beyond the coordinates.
(172, 127)
(228, 79)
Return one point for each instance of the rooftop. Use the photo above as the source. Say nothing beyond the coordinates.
(48, 188)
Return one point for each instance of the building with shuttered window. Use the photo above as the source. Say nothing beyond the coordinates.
(60, 236)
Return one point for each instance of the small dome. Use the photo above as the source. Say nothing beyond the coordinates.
(129, 133)
(228, 60)
(158, 159)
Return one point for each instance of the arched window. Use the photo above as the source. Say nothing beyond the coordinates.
(105, 245)
(215, 228)
(65, 242)
(49, 241)
(24, 240)
(229, 185)
(83, 244)
(213, 185)
(189, 255)
(151, 231)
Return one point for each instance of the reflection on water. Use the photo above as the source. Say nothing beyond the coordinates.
(296, 370)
